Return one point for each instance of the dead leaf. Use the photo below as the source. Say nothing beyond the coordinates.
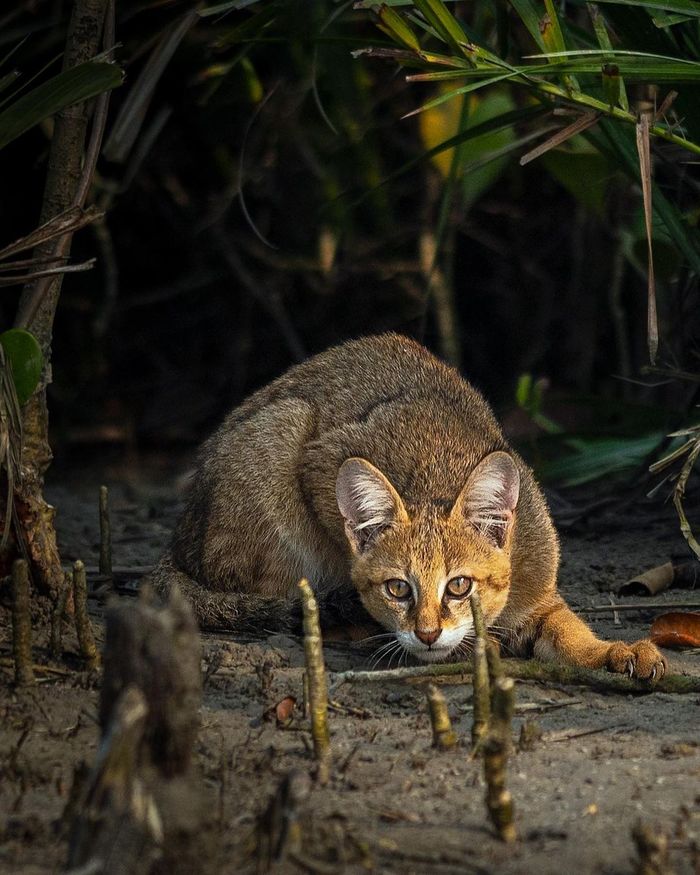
(677, 629)
(282, 712)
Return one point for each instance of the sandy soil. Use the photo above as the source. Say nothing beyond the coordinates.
(394, 804)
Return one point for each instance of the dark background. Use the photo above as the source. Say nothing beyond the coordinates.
(188, 310)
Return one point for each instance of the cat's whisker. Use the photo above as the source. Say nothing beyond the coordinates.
(383, 651)
(375, 637)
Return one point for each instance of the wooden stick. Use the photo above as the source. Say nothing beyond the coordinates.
(482, 695)
(316, 673)
(21, 624)
(638, 606)
(6, 662)
(105, 534)
(86, 639)
(480, 676)
(444, 736)
(529, 670)
(499, 802)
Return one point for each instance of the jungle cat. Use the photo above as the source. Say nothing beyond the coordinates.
(375, 469)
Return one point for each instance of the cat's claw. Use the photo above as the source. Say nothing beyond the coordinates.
(641, 659)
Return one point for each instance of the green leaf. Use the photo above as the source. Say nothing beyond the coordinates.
(24, 353)
(447, 26)
(615, 91)
(397, 28)
(620, 143)
(530, 17)
(7, 80)
(600, 457)
(687, 7)
(551, 29)
(583, 171)
(69, 87)
(529, 113)
(465, 89)
(666, 19)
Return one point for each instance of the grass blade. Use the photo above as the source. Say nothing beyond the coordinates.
(71, 86)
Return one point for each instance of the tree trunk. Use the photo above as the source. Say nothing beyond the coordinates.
(37, 305)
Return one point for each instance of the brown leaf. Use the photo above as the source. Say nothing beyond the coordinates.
(282, 712)
(677, 629)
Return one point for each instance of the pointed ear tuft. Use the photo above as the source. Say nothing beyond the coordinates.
(368, 502)
(489, 497)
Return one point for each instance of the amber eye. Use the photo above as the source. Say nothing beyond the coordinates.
(459, 587)
(398, 589)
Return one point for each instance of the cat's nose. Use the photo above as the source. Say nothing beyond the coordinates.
(428, 637)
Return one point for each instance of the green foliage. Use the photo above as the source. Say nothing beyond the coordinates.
(66, 88)
(529, 396)
(24, 354)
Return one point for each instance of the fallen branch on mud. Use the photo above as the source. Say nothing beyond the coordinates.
(527, 670)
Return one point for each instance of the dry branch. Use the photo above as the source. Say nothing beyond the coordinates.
(528, 670)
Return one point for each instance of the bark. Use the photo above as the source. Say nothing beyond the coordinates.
(37, 306)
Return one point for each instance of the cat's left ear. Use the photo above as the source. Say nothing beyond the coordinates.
(489, 497)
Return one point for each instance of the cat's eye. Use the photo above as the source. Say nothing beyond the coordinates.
(459, 587)
(397, 589)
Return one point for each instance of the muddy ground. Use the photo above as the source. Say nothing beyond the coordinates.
(394, 804)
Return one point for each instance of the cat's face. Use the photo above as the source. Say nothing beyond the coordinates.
(415, 568)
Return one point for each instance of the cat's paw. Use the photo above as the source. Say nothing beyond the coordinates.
(641, 659)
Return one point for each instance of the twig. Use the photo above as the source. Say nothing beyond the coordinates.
(638, 606)
(444, 736)
(55, 645)
(318, 691)
(37, 668)
(570, 736)
(528, 669)
(86, 639)
(499, 801)
(21, 624)
(105, 535)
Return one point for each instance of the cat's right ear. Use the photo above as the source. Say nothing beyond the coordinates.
(368, 502)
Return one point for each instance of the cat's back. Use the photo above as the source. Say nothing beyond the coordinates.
(349, 382)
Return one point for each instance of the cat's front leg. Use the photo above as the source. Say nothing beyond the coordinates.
(558, 633)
